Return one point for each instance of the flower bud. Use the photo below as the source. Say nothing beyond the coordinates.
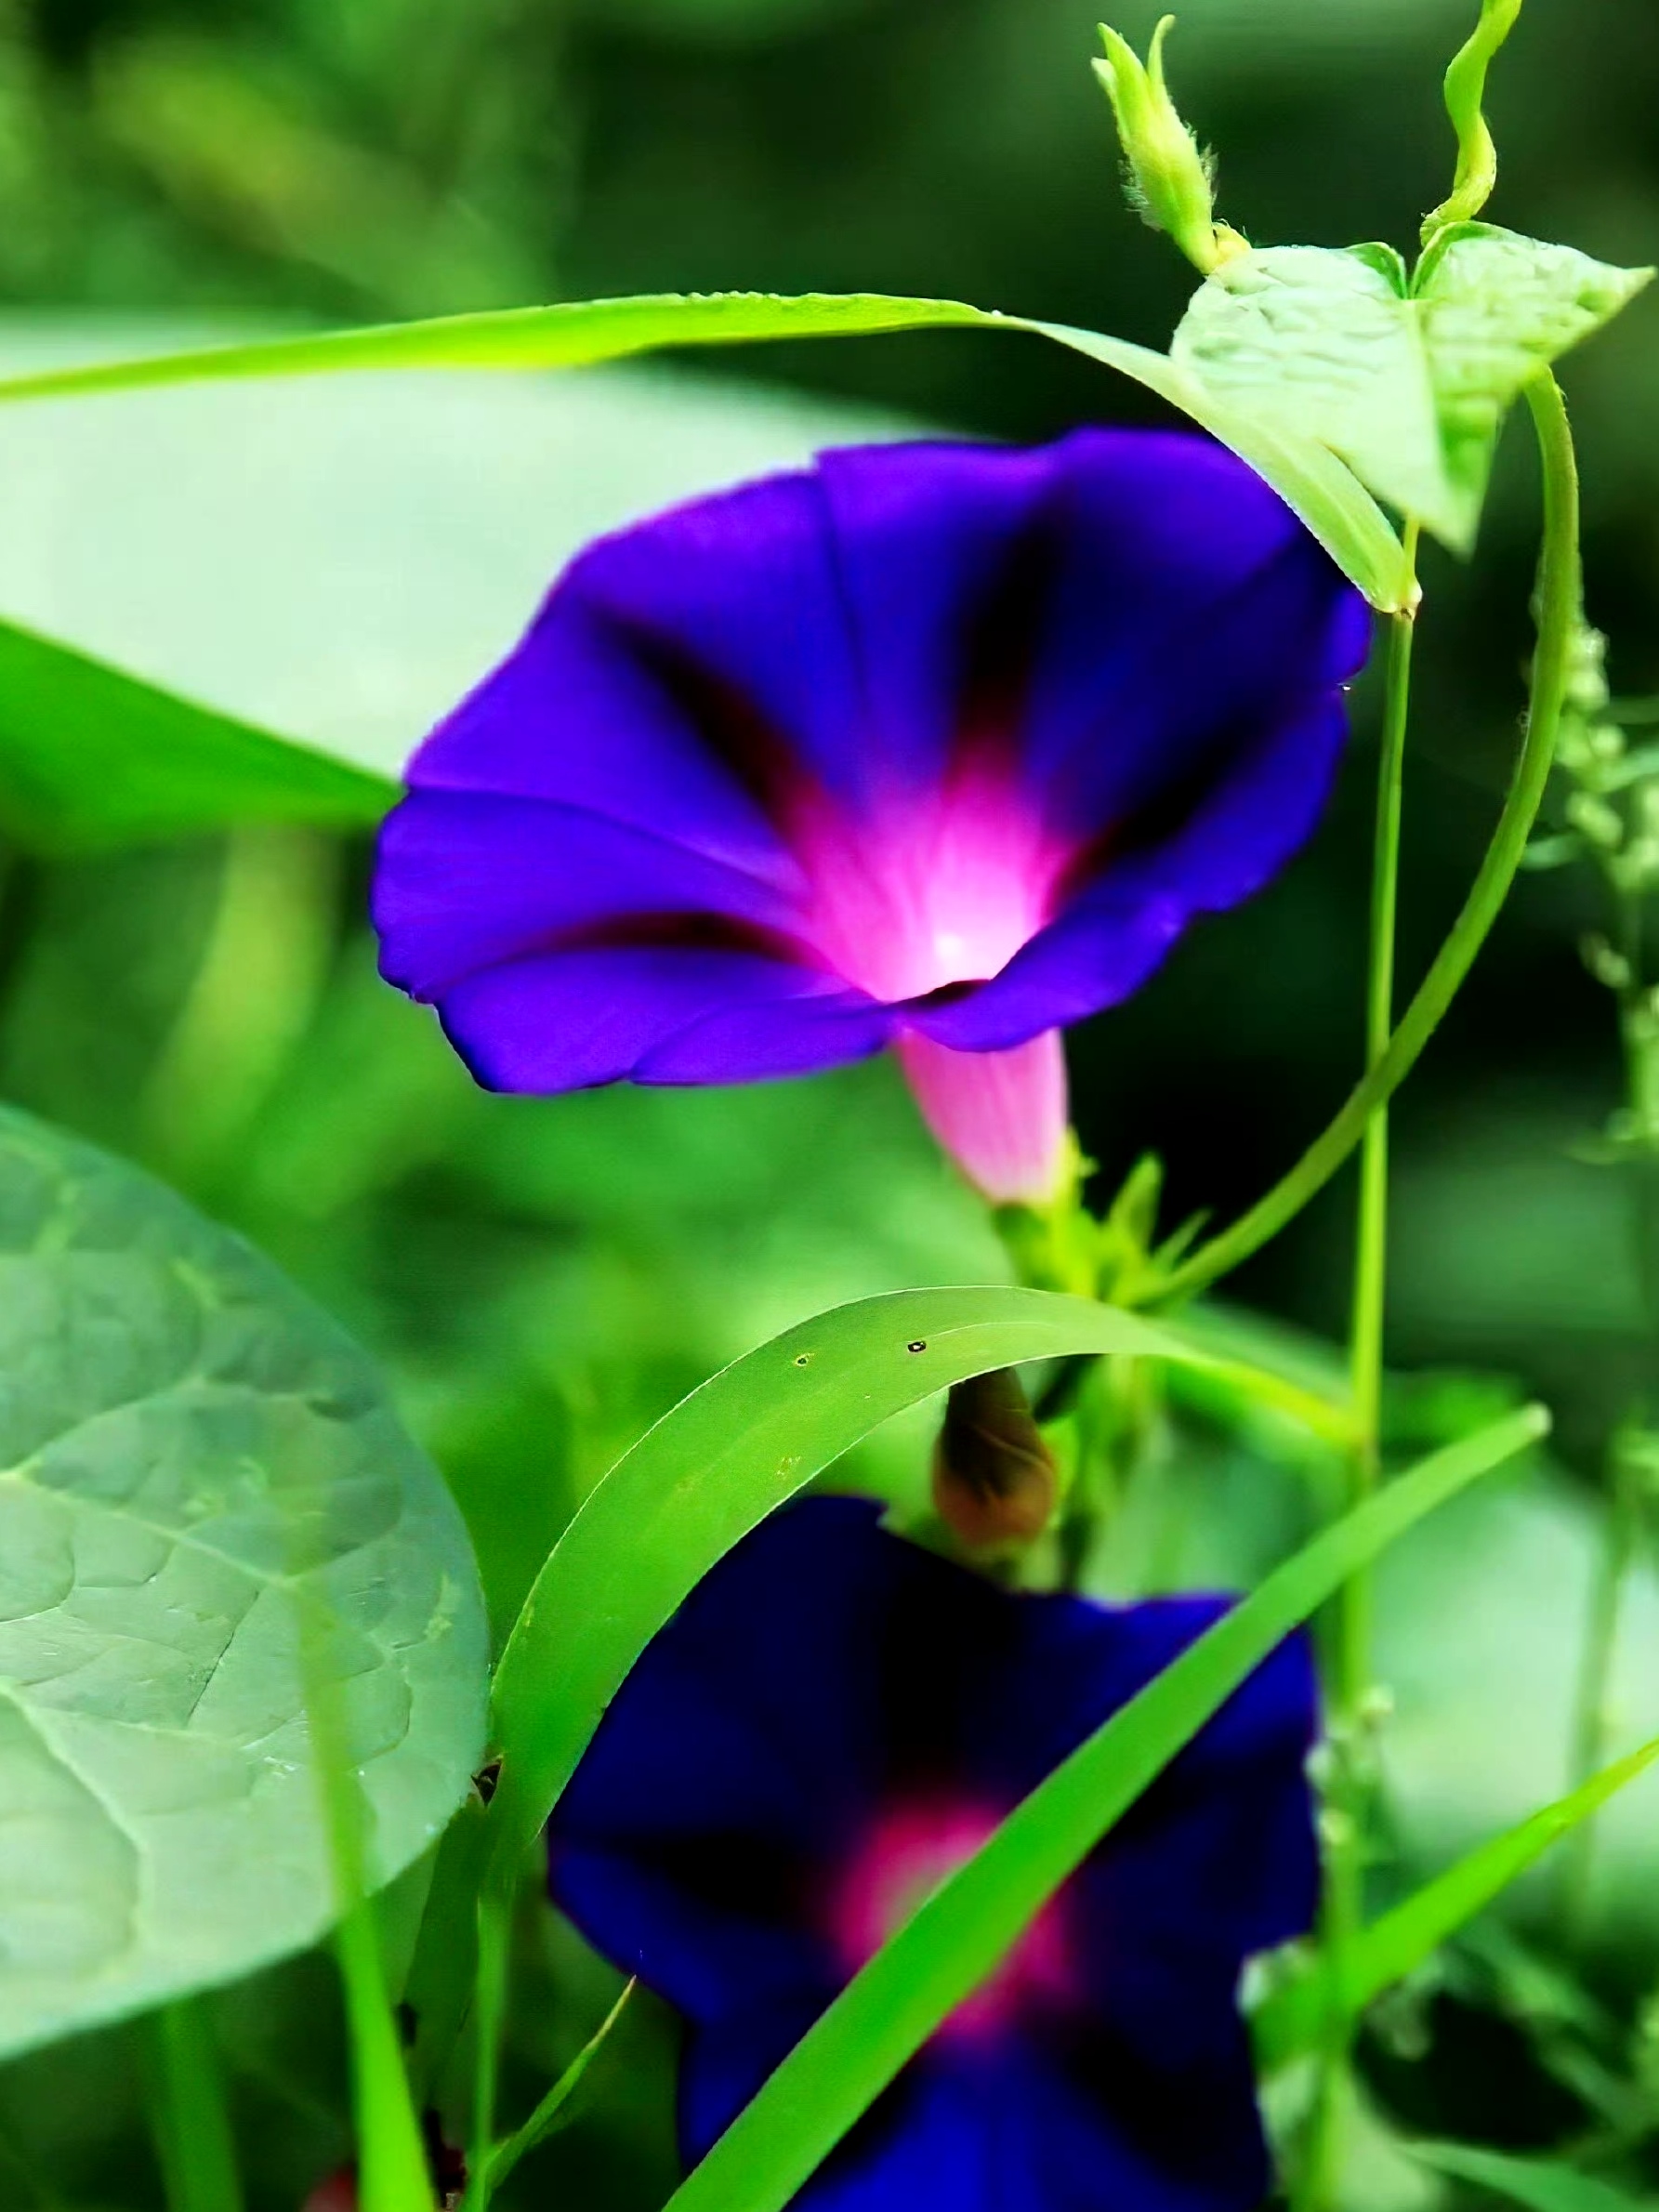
(1170, 178)
(993, 1476)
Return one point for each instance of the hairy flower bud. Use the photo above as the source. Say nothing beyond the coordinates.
(993, 1476)
(1171, 180)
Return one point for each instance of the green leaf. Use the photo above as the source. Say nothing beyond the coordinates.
(1293, 2019)
(196, 1462)
(1325, 342)
(1335, 508)
(855, 2049)
(92, 758)
(573, 335)
(1541, 2184)
(1409, 388)
(1497, 308)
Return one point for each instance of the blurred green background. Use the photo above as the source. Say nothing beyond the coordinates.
(544, 1279)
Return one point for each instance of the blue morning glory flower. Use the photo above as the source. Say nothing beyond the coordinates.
(936, 748)
(835, 1719)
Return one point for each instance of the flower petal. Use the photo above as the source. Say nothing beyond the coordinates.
(826, 1674)
(744, 1749)
(595, 708)
(1118, 930)
(1014, 2129)
(880, 719)
(1099, 612)
(468, 880)
(1190, 611)
(1124, 2132)
(662, 1014)
(1002, 1116)
(931, 2141)
(731, 608)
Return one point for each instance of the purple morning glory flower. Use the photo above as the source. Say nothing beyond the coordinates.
(834, 1720)
(931, 746)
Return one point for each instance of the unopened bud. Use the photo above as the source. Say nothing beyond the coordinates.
(1339, 1830)
(1609, 966)
(993, 1476)
(1171, 180)
(1376, 1706)
(1586, 671)
(1596, 821)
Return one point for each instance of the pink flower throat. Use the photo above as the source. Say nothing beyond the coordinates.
(910, 1853)
(933, 889)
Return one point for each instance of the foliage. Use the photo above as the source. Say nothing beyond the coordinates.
(212, 1523)
(202, 1467)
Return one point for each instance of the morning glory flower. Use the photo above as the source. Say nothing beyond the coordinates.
(931, 746)
(833, 1722)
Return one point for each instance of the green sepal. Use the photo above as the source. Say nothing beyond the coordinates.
(1170, 178)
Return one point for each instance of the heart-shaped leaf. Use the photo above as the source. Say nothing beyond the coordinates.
(1497, 308)
(1408, 384)
(1326, 344)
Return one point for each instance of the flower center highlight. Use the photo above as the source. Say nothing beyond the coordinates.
(909, 1855)
(937, 890)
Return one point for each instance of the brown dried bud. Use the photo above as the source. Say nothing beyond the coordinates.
(993, 1476)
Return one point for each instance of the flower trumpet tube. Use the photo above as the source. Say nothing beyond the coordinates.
(932, 747)
(834, 1722)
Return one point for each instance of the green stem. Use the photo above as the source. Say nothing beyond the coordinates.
(1592, 1729)
(494, 1935)
(392, 2173)
(392, 2170)
(192, 2120)
(1622, 1523)
(1353, 1667)
(1558, 593)
(1350, 1667)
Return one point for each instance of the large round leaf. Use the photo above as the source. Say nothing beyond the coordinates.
(206, 1506)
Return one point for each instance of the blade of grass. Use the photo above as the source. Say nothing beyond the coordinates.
(1541, 2184)
(889, 2010)
(1320, 488)
(1291, 2021)
(554, 2111)
(92, 758)
(573, 335)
